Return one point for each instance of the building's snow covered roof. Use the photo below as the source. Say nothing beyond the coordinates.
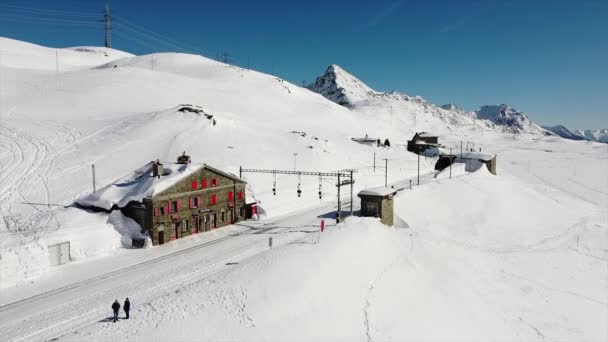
(137, 185)
(427, 135)
(377, 191)
(475, 155)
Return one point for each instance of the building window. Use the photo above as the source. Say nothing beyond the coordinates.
(230, 196)
(213, 199)
(242, 211)
(203, 183)
(222, 216)
(213, 182)
(195, 202)
(175, 206)
(184, 226)
(194, 185)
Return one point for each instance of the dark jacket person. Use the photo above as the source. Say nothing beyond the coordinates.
(127, 307)
(116, 308)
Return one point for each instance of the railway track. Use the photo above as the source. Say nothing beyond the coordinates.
(60, 311)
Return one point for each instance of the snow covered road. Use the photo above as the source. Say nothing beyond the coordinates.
(51, 314)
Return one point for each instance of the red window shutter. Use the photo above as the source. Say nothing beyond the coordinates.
(217, 182)
(203, 183)
(230, 195)
(194, 185)
(240, 195)
(179, 205)
(198, 200)
(191, 203)
(213, 199)
(156, 211)
(169, 207)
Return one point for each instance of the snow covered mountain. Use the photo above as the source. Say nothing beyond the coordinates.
(597, 135)
(341, 87)
(510, 119)
(564, 132)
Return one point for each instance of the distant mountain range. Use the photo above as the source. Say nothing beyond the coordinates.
(597, 135)
(343, 88)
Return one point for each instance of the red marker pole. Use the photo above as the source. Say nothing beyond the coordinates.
(322, 225)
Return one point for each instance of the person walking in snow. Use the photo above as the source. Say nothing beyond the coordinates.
(116, 308)
(127, 306)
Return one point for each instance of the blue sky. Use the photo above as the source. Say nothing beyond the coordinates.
(547, 58)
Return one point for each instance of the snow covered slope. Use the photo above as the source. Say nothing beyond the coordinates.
(466, 269)
(513, 252)
(18, 54)
(123, 114)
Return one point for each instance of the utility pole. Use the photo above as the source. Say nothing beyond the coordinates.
(93, 170)
(295, 155)
(451, 163)
(107, 19)
(460, 149)
(339, 204)
(226, 57)
(374, 161)
(351, 192)
(418, 168)
(385, 172)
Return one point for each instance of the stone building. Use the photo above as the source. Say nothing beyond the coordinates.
(174, 200)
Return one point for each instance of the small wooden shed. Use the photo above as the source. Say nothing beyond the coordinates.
(378, 202)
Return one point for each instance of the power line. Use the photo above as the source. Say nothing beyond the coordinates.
(47, 12)
(158, 36)
(143, 35)
(45, 20)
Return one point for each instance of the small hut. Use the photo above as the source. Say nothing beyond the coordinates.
(378, 202)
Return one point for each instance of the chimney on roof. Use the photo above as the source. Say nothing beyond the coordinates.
(183, 159)
(157, 169)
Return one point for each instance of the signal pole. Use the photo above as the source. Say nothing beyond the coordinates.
(450, 163)
(418, 168)
(107, 19)
(93, 170)
(385, 172)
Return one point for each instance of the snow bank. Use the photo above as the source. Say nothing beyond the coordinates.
(25, 255)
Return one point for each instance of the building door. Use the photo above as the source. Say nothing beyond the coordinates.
(161, 237)
(175, 234)
(212, 220)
